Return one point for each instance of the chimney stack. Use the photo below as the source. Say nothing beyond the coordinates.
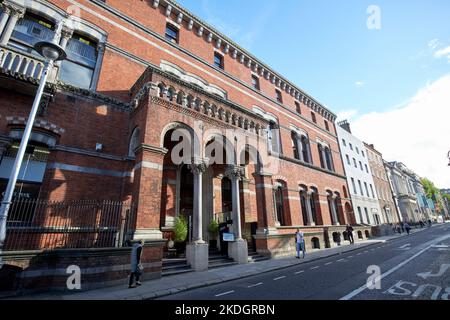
(345, 125)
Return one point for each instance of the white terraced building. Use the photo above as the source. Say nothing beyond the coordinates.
(359, 177)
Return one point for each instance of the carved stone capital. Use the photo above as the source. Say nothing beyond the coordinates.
(66, 32)
(234, 172)
(5, 8)
(198, 165)
(14, 9)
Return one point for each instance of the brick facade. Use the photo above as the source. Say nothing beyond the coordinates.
(145, 82)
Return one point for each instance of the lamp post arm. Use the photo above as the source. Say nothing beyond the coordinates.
(6, 202)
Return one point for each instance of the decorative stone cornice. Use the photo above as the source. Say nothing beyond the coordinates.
(150, 70)
(152, 149)
(65, 87)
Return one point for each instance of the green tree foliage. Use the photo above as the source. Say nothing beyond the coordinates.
(213, 227)
(430, 189)
(432, 192)
(180, 229)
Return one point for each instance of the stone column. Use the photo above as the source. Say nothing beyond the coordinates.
(66, 34)
(16, 13)
(197, 170)
(4, 17)
(98, 66)
(309, 195)
(234, 173)
(238, 249)
(197, 251)
(334, 210)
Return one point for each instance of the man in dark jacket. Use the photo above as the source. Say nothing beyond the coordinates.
(136, 252)
(349, 230)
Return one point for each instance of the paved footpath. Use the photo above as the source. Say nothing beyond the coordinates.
(177, 284)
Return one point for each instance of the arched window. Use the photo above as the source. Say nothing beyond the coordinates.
(295, 145)
(31, 29)
(273, 136)
(78, 68)
(322, 160)
(306, 150)
(134, 142)
(332, 207)
(312, 200)
(329, 159)
(279, 204)
(303, 203)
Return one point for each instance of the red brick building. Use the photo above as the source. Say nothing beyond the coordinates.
(139, 71)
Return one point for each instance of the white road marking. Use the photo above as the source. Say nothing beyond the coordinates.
(358, 254)
(301, 271)
(350, 257)
(316, 267)
(443, 268)
(440, 246)
(405, 246)
(328, 263)
(255, 285)
(340, 260)
(224, 293)
(282, 277)
(364, 287)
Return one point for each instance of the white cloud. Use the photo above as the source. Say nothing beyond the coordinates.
(443, 52)
(417, 134)
(359, 84)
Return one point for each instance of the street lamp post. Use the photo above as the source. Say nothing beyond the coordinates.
(51, 52)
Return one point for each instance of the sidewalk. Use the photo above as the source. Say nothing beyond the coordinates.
(183, 282)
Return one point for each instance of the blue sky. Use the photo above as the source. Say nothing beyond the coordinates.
(392, 83)
(325, 47)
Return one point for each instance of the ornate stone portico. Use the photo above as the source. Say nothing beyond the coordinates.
(223, 174)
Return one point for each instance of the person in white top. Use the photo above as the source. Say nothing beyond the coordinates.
(300, 243)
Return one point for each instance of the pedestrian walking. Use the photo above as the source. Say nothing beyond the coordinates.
(349, 230)
(300, 243)
(407, 227)
(136, 266)
(402, 226)
(338, 238)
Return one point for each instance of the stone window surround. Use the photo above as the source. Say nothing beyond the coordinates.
(65, 25)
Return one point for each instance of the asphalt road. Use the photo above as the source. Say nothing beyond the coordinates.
(410, 267)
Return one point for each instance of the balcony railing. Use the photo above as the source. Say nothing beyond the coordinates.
(25, 65)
